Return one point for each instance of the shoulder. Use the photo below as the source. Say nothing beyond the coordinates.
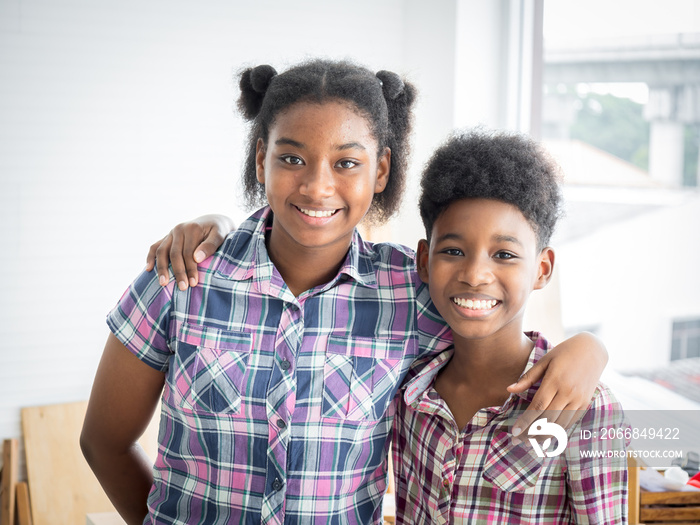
(386, 256)
(390, 252)
(604, 399)
(239, 251)
(387, 267)
(604, 411)
(249, 230)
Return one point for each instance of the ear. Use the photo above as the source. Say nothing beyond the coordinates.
(423, 261)
(260, 151)
(545, 267)
(383, 169)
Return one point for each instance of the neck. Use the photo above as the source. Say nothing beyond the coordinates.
(491, 363)
(304, 268)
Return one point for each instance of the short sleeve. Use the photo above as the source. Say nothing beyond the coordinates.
(141, 320)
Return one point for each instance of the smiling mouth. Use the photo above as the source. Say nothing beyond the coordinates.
(470, 304)
(317, 213)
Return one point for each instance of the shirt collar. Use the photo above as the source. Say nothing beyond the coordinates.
(244, 255)
(417, 386)
(541, 347)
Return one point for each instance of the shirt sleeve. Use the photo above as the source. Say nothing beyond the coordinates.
(141, 320)
(434, 335)
(597, 463)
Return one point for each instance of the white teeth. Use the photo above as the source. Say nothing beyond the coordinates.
(475, 305)
(314, 213)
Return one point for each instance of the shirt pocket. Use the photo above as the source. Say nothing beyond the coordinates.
(509, 467)
(213, 365)
(360, 377)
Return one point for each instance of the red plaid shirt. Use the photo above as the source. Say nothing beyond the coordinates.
(477, 475)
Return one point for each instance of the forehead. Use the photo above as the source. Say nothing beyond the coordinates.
(484, 218)
(330, 121)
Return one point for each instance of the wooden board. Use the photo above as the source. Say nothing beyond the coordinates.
(104, 518)
(670, 514)
(24, 514)
(633, 491)
(62, 486)
(9, 481)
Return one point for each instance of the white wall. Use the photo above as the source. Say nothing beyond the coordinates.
(117, 121)
(633, 279)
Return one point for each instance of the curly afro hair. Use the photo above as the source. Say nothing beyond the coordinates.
(384, 99)
(503, 166)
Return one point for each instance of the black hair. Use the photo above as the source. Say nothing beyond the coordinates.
(384, 99)
(508, 167)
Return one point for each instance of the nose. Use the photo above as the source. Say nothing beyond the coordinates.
(317, 182)
(476, 270)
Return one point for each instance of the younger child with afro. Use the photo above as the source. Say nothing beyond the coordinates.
(489, 203)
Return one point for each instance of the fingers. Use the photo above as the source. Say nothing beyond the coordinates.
(529, 378)
(151, 257)
(186, 245)
(162, 259)
(215, 236)
(188, 256)
(206, 249)
(558, 404)
(177, 258)
(535, 411)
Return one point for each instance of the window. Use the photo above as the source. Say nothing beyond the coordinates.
(685, 340)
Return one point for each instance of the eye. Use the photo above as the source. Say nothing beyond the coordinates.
(505, 256)
(347, 164)
(456, 252)
(292, 159)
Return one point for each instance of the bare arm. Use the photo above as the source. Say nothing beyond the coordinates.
(570, 374)
(187, 244)
(124, 396)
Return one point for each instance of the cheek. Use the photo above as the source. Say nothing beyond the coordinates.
(520, 283)
(276, 185)
(359, 193)
(440, 275)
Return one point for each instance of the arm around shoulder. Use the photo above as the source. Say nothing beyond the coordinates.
(187, 244)
(570, 373)
(123, 399)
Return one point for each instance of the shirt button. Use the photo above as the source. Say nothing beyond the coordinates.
(285, 365)
(281, 424)
(277, 484)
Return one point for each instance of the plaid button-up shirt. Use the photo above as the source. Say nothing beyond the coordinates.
(476, 475)
(277, 409)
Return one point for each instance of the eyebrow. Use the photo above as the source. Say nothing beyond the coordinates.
(289, 142)
(507, 238)
(449, 237)
(284, 141)
(497, 238)
(351, 145)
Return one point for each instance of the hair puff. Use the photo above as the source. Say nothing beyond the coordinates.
(261, 76)
(254, 83)
(392, 85)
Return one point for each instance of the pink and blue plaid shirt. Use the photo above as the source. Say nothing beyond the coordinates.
(476, 475)
(277, 409)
